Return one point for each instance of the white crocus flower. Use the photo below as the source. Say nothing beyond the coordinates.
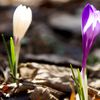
(21, 21)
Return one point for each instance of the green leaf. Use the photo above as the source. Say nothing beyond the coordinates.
(78, 83)
(8, 54)
(81, 92)
(13, 57)
(74, 78)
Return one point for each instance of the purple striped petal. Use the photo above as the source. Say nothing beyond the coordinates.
(88, 10)
(90, 30)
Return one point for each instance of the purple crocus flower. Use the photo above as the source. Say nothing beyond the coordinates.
(90, 30)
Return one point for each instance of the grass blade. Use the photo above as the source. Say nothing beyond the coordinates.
(8, 53)
(13, 57)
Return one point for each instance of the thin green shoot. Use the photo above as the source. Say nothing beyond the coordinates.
(11, 56)
(8, 54)
(74, 78)
(81, 86)
(78, 83)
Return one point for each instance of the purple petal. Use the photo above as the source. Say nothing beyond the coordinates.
(86, 37)
(97, 28)
(93, 8)
(88, 10)
(90, 30)
(87, 41)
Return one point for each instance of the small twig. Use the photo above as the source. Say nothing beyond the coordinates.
(94, 92)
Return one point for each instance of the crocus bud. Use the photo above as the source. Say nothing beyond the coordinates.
(90, 30)
(21, 21)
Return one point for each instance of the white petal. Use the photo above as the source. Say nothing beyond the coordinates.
(89, 23)
(21, 21)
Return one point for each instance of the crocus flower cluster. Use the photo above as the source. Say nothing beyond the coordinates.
(90, 30)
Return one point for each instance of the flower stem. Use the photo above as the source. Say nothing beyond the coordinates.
(17, 51)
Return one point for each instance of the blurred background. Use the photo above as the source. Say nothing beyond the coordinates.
(55, 33)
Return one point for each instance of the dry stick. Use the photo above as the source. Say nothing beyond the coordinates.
(63, 87)
(94, 92)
